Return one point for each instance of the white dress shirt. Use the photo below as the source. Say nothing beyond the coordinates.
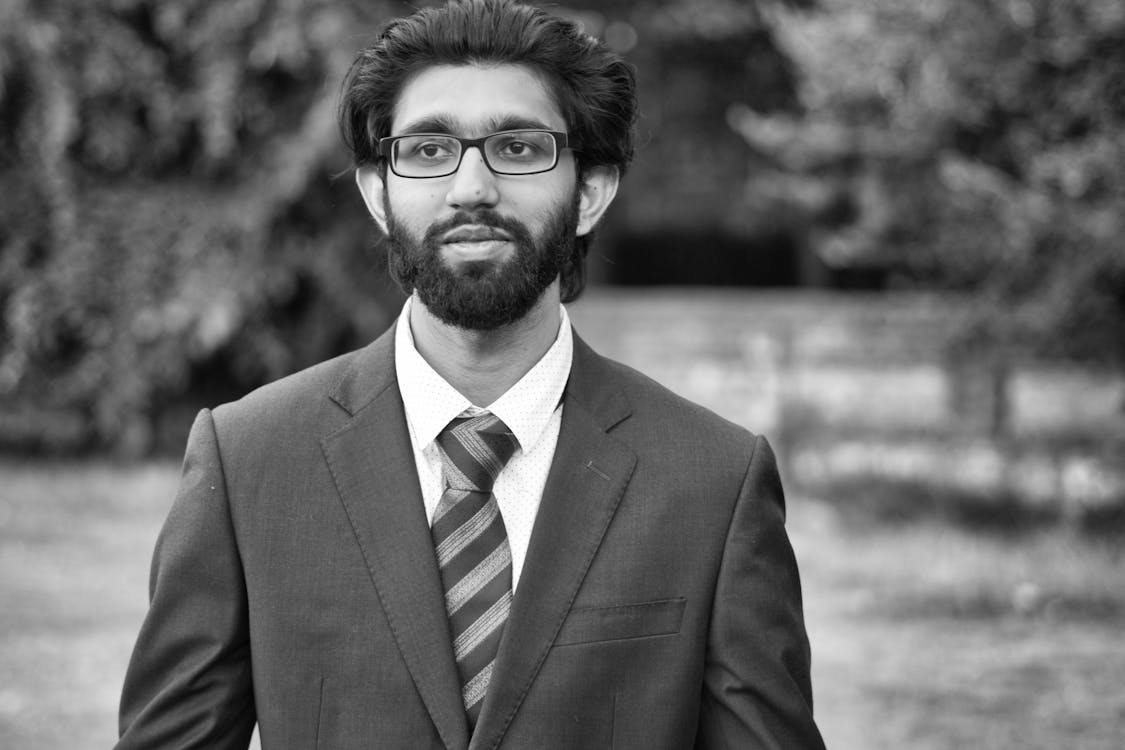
(532, 410)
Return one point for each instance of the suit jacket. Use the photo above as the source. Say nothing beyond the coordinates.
(294, 582)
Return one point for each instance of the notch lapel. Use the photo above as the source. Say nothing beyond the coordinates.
(372, 464)
(588, 476)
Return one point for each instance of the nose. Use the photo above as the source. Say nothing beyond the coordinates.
(473, 184)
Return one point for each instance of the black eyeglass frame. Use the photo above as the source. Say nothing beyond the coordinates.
(386, 148)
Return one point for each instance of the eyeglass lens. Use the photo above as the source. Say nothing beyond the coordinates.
(510, 152)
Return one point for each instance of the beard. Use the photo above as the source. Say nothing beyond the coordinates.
(487, 295)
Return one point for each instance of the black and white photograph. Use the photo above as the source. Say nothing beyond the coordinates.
(562, 374)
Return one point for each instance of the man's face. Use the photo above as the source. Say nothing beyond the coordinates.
(479, 248)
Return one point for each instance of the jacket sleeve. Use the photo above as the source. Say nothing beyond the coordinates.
(757, 691)
(188, 684)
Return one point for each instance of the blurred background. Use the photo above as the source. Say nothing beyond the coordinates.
(887, 235)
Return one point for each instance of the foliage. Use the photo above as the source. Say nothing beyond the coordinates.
(176, 222)
(963, 145)
(171, 206)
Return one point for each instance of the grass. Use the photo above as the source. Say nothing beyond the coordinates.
(932, 636)
(74, 540)
(926, 635)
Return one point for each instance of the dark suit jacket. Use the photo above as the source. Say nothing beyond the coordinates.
(294, 582)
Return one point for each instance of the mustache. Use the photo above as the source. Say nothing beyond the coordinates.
(482, 217)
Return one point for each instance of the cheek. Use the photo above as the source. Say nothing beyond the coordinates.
(538, 207)
(413, 211)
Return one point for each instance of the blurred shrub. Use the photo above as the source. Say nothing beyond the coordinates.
(174, 231)
(170, 208)
(174, 221)
(967, 146)
(676, 219)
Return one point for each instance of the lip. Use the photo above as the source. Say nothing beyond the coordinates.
(475, 233)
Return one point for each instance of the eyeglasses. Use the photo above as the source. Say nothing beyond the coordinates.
(506, 152)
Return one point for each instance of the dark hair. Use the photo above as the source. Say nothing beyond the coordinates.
(594, 88)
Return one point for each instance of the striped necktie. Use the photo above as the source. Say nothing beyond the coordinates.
(472, 548)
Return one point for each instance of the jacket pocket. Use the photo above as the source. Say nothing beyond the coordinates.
(621, 622)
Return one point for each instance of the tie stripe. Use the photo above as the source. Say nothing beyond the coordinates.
(467, 532)
(486, 625)
(471, 545)
(473, 692)
(467, 586)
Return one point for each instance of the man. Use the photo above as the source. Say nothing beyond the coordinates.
(476, 532)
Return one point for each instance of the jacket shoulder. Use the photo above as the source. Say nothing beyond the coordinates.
(655, 404)
(293, 391)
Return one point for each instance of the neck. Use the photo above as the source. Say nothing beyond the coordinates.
(483, 365)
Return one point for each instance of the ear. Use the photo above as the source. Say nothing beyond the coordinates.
(372, 188)
(596, 192)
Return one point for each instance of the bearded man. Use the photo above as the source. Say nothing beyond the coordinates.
(476, 532)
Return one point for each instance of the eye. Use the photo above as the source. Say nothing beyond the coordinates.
(431, 150)
(521, 147)
(426, 150)
(517, 148)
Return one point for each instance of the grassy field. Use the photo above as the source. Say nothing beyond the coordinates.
(925, 636)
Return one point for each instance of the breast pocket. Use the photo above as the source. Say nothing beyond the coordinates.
(622, 622)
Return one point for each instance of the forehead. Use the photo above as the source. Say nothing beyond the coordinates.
(474, 100)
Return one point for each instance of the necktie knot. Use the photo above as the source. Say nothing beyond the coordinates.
(474, 450)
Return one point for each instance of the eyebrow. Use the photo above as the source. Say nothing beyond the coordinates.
(448, 125)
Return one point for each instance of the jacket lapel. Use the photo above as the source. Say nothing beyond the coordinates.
(588, 476)
(373, 467)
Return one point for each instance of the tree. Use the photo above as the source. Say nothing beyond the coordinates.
(171, 207)
(970, 146)
(173, 222)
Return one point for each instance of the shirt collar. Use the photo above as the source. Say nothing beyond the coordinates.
(431, 402)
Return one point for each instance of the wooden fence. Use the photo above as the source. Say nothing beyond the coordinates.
(856, 388)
